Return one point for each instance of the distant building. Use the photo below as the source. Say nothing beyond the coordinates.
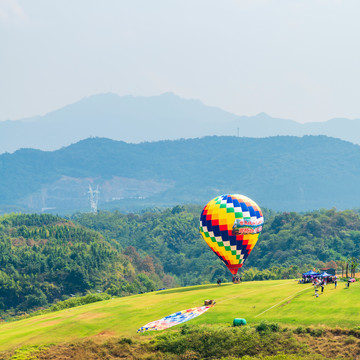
(330, 271)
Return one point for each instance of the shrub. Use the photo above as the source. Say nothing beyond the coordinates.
(264, 326)
(300, 330)
(317, 332)
(350, 340)
(78, 301)
(355, 332)
(125, 340)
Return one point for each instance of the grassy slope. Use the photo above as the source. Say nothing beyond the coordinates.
(283, 301)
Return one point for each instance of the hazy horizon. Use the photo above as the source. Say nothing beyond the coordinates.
(289, 59)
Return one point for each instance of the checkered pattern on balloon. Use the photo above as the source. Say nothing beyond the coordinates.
(230, 225)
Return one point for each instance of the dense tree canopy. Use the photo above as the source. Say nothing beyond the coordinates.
(172, 238)
(292, 238)
(44, 258)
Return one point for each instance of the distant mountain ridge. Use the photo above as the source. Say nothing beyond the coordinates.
(263, 125)
(126, 118)
(164, 117)
(280, 173)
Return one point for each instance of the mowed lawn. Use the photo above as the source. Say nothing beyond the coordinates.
(282, 301)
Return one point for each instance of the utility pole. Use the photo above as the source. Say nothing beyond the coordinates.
(94, 199)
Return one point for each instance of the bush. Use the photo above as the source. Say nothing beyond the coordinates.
(350, 340)
(78, 301)
(264, 326)
(300, 330)
(315, 332)
(355, 332)
(125, 340)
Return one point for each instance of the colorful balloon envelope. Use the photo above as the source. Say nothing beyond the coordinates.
(231, 225)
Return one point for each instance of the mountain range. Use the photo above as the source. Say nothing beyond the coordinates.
(282, 173)
(163, 117)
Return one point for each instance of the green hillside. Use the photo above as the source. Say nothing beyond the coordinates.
(45, 258)
(281, 301)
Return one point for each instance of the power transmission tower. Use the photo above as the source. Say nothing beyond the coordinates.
(94, 198)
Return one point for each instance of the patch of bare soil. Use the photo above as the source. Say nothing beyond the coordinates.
(105, 333)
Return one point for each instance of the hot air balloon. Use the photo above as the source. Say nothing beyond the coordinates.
(231, 225)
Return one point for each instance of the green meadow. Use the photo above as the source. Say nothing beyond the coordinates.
(282, 301)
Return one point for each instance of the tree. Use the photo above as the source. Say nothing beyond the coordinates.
(331, 264)
(342, 264)
(353, 263)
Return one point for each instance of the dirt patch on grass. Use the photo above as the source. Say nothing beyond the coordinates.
(106, 333)
(49, 323)
(91, 316)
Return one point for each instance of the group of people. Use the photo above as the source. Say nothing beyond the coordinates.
(322, 283)
(325, 280)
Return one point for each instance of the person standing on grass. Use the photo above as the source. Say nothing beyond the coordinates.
(335, 282)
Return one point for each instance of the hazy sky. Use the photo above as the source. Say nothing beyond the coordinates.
(295, 59)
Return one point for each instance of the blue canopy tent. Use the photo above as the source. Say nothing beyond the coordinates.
(325, 274)
(310, 273)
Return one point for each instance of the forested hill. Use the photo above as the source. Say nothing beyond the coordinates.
(44, 258)
(280, 173)
(290, 240)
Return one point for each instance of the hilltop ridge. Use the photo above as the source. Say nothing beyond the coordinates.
(280, 173)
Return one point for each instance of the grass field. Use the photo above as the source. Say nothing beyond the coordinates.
(282, 301)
